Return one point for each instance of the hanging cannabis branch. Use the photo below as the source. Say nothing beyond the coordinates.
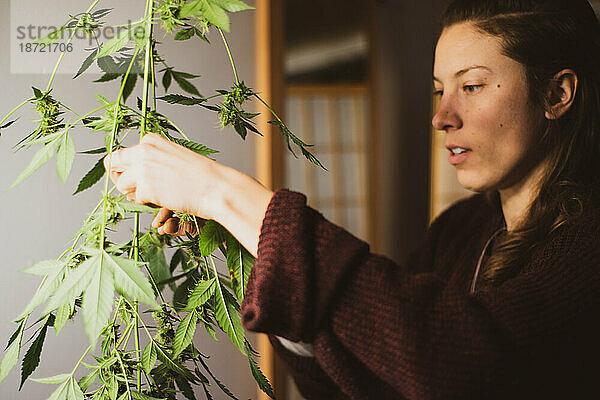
(85, 277)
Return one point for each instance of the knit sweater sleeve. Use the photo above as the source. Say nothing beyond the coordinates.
(409, 326)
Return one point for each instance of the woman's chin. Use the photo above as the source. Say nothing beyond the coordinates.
(474, 183)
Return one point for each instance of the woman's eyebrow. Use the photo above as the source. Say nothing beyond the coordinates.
(464, 71)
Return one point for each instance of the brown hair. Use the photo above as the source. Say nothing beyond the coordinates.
(546, 36)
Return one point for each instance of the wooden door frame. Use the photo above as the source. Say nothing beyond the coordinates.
(269, 155)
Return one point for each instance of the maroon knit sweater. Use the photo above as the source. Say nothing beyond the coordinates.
(385, 331)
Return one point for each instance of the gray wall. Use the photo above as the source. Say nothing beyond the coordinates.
(40, 215)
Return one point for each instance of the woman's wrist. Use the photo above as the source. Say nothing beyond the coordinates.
(242, 204)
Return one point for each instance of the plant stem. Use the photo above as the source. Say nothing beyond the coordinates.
(14, 110)
(112, 141)
(269, 107)
(237, 81)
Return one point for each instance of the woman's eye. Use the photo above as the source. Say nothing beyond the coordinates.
(438, 93)
(472, 88)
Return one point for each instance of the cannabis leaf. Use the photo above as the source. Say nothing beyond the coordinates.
(239, 262)
(227, 316)
(173, 365)
(211, 237)
(11, 355)
(119, 41)
(52, 380)
(213, 10)
(149, 356)
(185, 333)
(41, 157)
(92, 177)
(65, 157)
(182, 80)
(263, 382)
(185, 34)
(87, 63)
(201, 293)
(97, 278)
(32, 357)
(183, 100)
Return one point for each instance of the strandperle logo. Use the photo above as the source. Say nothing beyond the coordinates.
(40, 33)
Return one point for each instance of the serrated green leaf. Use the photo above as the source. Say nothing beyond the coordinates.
(92, 177)
(40, 158)
(50, 38)
(191, 9)
(195, 147)
(51, 283)
(185, 388)
(232, 5)
(63, 313)
(227, 316)
(140, 396)
(239, 263)
(32, 357)
(52, 380)
(130, 281)
(215, 14)
(183, 100)
(173, 365)
(149, 357)
(261, 379)
(130, 206)
(11, 355)
(61, 392)
(184, 84)
(75, 283)
(87, 63)
(44, 268)
(107, 78)
(185, 34)
(129, 85)
(152, 252)
(98, 298)
(65, 157)
(116, 43)
(88, 380)
(211, 237)
(167, 79)
(203, 291)
(74, 391)
(185, 333)
(14, 336)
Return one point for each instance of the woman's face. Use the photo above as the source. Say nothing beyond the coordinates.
(485, 109)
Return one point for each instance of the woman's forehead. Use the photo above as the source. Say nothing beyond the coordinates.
(462, 48)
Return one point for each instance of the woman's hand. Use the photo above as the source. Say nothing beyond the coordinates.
(167, 175)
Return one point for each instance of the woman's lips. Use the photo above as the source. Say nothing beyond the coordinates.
(456, 159)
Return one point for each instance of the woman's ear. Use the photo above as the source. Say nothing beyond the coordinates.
(561, 93)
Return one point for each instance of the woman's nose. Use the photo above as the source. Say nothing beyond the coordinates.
(446, 116)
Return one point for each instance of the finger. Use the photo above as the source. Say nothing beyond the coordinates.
(171, 226)
(118, 160)
(127, 183)
(162, 215)
(153, 139)
(114, 176)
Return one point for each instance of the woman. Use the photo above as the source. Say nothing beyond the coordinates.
(502, 297)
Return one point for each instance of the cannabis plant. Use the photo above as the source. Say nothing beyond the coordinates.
(133, 359)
